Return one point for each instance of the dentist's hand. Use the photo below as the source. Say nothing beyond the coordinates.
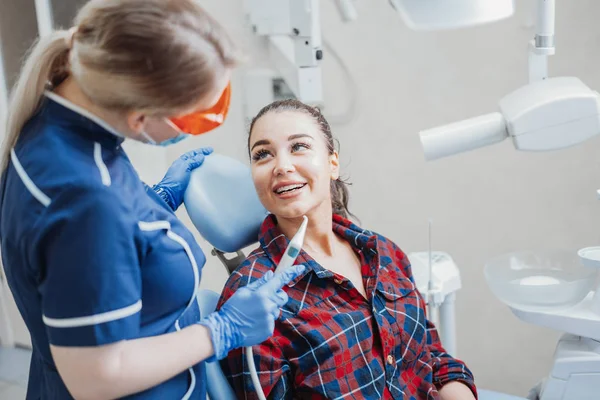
(173, 185)
(249, 316)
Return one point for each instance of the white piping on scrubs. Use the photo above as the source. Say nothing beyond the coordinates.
(165, 225)
(154, 226)
(66, 103)
(173, 236)
(33, 189)
(158, 225)
(93, 319)
(104, 174)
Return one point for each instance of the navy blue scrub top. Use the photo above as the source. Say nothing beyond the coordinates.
(92, 255)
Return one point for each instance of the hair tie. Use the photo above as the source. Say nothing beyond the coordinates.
(71, 36)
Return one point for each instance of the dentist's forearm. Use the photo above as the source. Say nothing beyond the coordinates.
(456, 391)
(145, 362)
(124, 368)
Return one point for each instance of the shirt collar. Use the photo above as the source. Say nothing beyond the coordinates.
(65, 113)
(274, 243)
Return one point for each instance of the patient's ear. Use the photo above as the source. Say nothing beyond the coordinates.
(334, 165)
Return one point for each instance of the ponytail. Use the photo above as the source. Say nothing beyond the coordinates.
(46, 65)
(339, 198)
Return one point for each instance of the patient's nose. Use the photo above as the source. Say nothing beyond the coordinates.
(283, 165)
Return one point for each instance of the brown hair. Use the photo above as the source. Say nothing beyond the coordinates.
(160, 56)
(339, 190)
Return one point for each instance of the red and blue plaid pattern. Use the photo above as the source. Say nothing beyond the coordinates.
(331, 342)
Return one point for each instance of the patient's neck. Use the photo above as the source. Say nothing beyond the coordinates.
(319, 237)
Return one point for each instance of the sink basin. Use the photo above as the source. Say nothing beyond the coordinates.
(542, 280)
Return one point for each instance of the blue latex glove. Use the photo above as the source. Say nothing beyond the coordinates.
(176, 180)
(249, 316)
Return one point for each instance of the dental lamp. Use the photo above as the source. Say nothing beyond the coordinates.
(292, 29)
(546, 114)
(437, 15)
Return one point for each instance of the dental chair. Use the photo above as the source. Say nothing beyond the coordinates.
(223, 206)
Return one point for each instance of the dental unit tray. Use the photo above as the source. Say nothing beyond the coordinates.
(445, 276)
(557, 290)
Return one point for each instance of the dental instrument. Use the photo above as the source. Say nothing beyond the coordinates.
(432, 305)
(293, 248)
(430, 283)
(288, 259)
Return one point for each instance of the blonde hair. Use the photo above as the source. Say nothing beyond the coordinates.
(161, 56)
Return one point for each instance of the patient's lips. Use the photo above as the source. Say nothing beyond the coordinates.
(289, 189)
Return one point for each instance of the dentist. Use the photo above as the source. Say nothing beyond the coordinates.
(103, 273)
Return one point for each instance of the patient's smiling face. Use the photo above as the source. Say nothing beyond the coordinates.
(292, 164)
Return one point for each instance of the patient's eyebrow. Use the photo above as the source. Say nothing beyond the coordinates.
(298, 136)
(260, 143)
(295, 136)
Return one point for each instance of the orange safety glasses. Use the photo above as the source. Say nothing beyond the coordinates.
(201, 122)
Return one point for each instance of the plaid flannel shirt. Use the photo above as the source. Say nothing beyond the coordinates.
(331, 342)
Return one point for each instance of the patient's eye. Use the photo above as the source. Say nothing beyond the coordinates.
(300, 146)
(260, 154)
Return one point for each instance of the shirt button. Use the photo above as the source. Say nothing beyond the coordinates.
(390, 360)
(338, 281)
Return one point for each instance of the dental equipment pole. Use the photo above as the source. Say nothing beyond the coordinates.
(430, 284)
(6, 331)
(290, 255)
(447, 318)
(3, 91)
(440, 308)
(292, 29)
(45, 19)
(542, 45)
(430, 298)
(347, 10)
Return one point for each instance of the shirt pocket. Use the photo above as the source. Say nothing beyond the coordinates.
(405, 313)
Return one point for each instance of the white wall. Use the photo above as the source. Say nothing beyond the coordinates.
(484, 203)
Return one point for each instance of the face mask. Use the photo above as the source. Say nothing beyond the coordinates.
(149, 140)
(196, 123)
(174, 140)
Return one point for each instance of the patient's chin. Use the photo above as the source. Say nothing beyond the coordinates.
(288, 214)
(289, 211)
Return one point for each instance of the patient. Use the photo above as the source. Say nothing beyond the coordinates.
(355, 325)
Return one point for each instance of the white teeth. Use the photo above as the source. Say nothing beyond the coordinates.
(288, 188)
